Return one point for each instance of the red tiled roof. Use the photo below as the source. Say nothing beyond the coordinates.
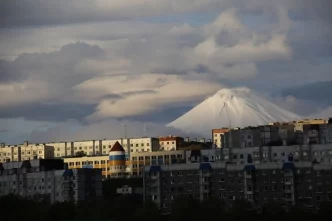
(117, 147)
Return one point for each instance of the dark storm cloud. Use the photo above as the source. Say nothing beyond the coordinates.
(202, 69)
(49, 112)
(58, 65)
(56, 69)
(169, 71)
(14, 13)
(8, 72)
(138, 92)
(2, 130)
(315, 91)
(46, 12)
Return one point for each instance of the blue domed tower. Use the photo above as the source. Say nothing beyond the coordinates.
(117, 161)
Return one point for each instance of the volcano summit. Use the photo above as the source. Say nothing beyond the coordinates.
(238, 107)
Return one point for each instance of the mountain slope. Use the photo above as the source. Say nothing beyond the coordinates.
(237, 107)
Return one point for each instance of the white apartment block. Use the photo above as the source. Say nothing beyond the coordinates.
(88, 147)
(36, 151)
(9, 153)
(218, 137)
(170, 143)
(60, 149)
(144, 144)
(26, 151)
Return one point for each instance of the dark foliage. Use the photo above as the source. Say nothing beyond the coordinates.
(127, 208)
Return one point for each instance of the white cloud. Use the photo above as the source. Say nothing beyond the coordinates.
(239, 46)
(147, 93)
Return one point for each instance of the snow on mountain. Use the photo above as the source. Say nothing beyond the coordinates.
(238, 107)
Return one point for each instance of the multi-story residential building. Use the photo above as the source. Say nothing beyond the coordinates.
(218, 137)
(170, 142)
(286, 133)
(86, 147)
(269, 135)
(310, 153)
(250, 137)
(96, 162)
(108, 144)
(291, 183)
(10, 153)
(112, 165)
(60, 149)
(26, 151)
(232, 138)
(49, 180)
(325, 132)
(144, 144)
(299, 124)
(138, 160)
(36, 151)
(203, 155)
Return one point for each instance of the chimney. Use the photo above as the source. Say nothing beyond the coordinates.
(26, 143)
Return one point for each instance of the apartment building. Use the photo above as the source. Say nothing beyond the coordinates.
(112, 165)
(299, 124)
(286, 133)
(170, 142)
(232, 138)
(60, 149)
(218, 137)
(269, 135)
(108, 144)
(204, 155)
(86, 147)
(291, 183)
(144, 144)
(49, 180)
(36, 151)
(9, 153)
(96, 162)
(279, 154)
(138, 160)
(250, 137)
(26, 151)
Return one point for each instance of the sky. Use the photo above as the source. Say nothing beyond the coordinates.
(81, 69)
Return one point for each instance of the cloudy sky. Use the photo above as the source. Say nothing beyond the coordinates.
(74, 69)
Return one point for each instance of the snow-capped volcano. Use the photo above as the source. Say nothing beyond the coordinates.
(238, 107)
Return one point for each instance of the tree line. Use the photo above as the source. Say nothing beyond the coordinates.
(120, 208)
